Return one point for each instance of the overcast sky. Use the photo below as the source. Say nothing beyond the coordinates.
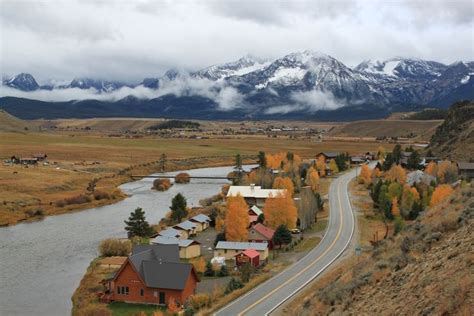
(129, 40)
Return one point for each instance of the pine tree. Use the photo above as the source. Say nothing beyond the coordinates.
(137, 224)
(282, 236)
(262, 160)
(414, 160)
(163, 162)
(178, 207)
(397, 153)
(209, 269)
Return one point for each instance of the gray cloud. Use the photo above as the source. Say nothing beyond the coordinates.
(130, 40)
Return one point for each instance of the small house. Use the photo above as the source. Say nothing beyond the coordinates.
(229, 249)
(254, 213)
(201, 221)
(254, 195)
(261, 233)
(328, 155)
(152, 275)
(248, 256)
(419, 176)
(356, 160)
(170, 232)
(40, 156)
(28, 161)
(187, 248)
(186, 228)
(466, 169)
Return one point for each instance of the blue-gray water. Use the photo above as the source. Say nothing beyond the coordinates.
(42, 263)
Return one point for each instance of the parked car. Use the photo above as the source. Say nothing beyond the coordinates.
(295, 231)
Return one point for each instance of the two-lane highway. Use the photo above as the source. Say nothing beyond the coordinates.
(271, 294)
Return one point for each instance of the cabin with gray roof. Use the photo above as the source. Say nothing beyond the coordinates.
(229, 249)
(188, 248)
(202, 222)
(466, 169)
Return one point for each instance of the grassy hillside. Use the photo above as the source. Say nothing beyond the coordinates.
(9, 123)
(425, 270)
(454, 139)
(421, 130)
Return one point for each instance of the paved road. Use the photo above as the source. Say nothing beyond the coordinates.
(271, 294)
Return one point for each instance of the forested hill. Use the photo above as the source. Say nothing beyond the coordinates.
(454, 139)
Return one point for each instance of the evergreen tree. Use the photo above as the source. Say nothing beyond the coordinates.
(238, 170)
(246, 272)
(375, 192)
(137, 224)
(414, 160)
(261, 218)
(178, 207)
(388, 162)
(209, 270)
(282, 235)
(341, 161)
(262, 160)
(397, 153)
(223, 271)
(238, 163)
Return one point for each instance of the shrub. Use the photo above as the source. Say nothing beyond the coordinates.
(79, 199)
(199, 301)
(209, 269)
(182, 177)
(223, 271)
(114, 247)
(100, 195)
(233, 285)
(161, 184)
(60, 203)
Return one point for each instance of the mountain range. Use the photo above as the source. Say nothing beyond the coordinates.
(304, 84)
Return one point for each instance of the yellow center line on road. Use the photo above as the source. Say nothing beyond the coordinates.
(309, 266)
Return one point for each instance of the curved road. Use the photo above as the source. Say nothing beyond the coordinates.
(271, 294)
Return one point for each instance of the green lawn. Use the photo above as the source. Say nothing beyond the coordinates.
(319, 226)
(125, 309)
(307, 244)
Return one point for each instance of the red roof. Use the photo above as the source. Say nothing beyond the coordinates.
(251, 253)
(253, 218)
(264, 231)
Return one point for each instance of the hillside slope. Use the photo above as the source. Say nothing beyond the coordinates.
(10, 123)
(454, 139)
(421, 130)
(425, 270)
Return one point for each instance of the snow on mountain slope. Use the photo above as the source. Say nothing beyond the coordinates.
(240, 67)
(23, 81)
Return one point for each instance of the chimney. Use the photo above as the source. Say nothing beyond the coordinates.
(252, 186)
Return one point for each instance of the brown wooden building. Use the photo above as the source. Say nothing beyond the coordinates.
(152, 275)
(248, 256)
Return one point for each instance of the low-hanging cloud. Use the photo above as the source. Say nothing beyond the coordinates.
(226, 97)
(316, 100)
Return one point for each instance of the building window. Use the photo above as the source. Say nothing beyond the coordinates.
(122, 290)
(142, 292)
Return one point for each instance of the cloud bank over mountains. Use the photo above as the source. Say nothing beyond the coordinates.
(130, 40)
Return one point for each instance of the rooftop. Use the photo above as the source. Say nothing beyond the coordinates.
(200, 218)
(162, 240)
(249, 191)
(170, 232)
(265, 231)
(236, 245)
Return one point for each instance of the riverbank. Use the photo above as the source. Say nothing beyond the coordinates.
(77, 158)
(106, 188)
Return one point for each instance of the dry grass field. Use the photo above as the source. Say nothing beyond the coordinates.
(417, 130)
(76, 158)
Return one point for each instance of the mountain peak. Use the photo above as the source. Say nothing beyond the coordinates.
(23, 81)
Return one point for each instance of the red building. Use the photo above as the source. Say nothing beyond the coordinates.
(248, 256)
(261, 233)
(152, 275)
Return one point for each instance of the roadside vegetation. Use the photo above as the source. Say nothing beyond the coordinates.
(413, 241)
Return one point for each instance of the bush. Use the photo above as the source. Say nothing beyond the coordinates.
(223, 271)
(114, 247)
(79, 199)
(182, 177)
(161, 184)
(234, 284)
(100, 195)
(60, 203)
(209, 270)
(199, 301)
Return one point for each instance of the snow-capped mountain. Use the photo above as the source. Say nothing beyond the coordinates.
(99, 85)
(301, 82)
(23, 81)
(240, 67)
(407, 68)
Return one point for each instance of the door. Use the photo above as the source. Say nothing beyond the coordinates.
(162, 298)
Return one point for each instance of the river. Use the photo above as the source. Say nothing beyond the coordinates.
(42, 263)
